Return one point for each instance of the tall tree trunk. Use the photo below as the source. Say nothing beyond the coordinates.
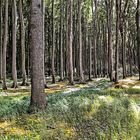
(38, 99)
(1, 39)
(117, 40)
(69, 40)
(22, 41)
(123, 33)
(109, 9)
(80, 43)
(90, 59)
(61, 41)
(105, 62)
(28, 44)
(5, 45)
(94, 18)
(53, 44)
(43, 11)
(14, 44)
(138, 33)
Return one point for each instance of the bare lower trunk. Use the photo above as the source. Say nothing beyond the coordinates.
(5, 45)
(109, 10)
(94, 15)
(53, 44)
(117, 41)
(1, 39)
(138, 33)
(43, 10)
(14, 50)
(90, 59)
(61, 42)
(38, 99)
(80, 43)
(69, 41)
(22, 39)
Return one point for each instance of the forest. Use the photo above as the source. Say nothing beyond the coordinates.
(69, 69)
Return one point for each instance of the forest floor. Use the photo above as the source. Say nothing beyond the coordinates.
(97, 110)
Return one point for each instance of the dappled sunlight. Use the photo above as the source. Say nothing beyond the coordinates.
(56, 88)
(17, 91)
(9, 128)
(128, 83)
(94, 106)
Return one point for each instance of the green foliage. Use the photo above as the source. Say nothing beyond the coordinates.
(84, 114)
(13, 106)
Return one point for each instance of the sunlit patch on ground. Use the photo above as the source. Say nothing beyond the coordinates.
(54, 88)
(131, 82)
(9, 128)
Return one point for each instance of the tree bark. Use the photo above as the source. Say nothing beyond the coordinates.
(22, 41)
(43, 11)
(94, 18)
(90, 59)
(69, 40)
(123, 34)
(109, 8)
(38, 99)
(61, 42)
(14, 44)
(80, 43)
(138, 34)
(5, 45)
(117, 40)
(53, 44)
(1, 39)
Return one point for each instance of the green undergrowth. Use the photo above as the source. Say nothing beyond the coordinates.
(98, 112)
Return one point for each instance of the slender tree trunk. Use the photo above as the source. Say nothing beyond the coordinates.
(123, 33)
(117, 41)
(14, 43)
(105, 62)
(109, 9)
(94, 15)
(61, 42)
(22, 41)
(90, 59)
(138, 33)
(80, 43)
(130, 55)
(38, 99)
(5, 45)
(1, 39)
(43, 11)
(49, 49)
(64, 37)
(69, 40)
(53, 44)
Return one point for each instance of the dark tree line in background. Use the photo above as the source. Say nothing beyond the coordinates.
(68, 40)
